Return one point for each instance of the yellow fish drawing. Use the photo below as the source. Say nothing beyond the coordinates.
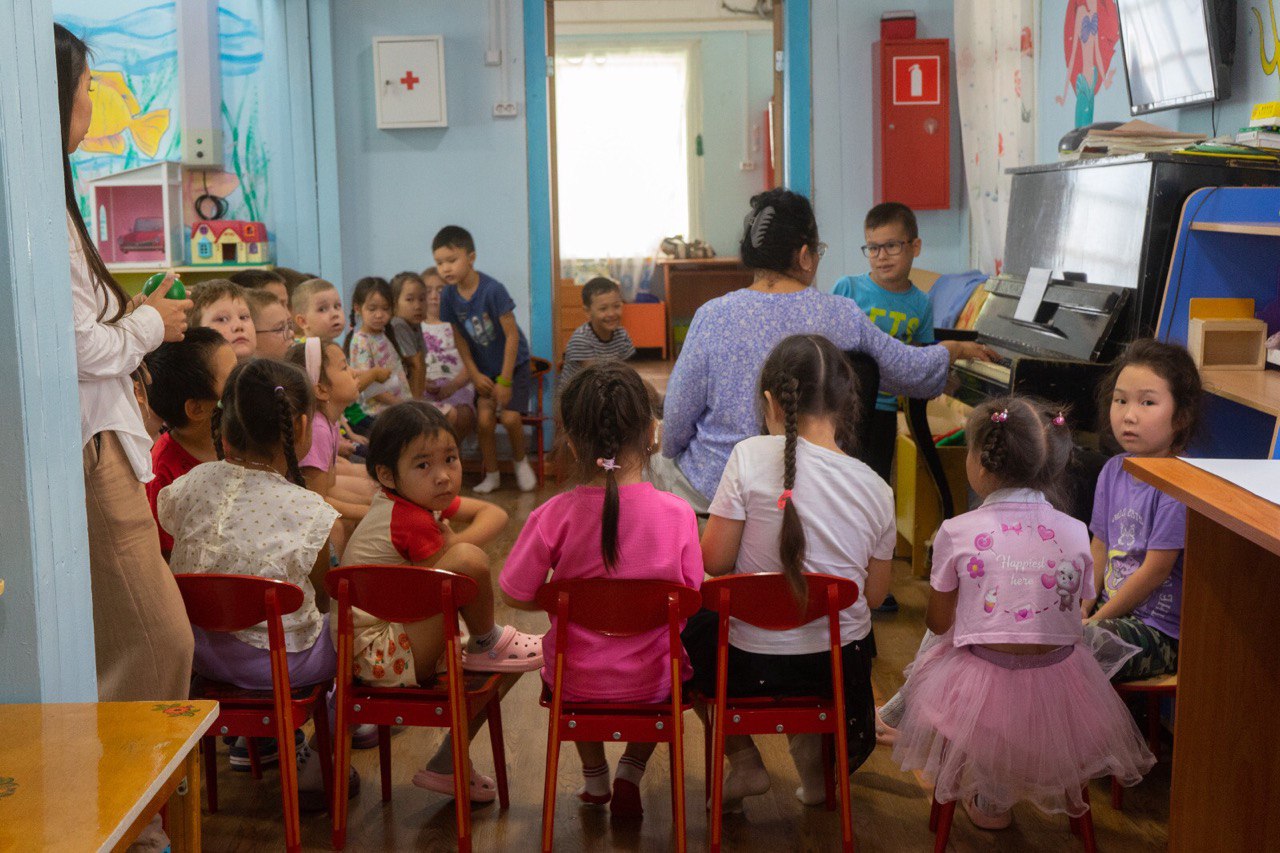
(115, 110)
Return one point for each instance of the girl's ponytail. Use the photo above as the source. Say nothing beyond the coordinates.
(351, 331)
(791, 545)
(284, 414)
(609, 462)
(215, 427)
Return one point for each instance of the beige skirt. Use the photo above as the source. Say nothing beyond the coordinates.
(143, 639)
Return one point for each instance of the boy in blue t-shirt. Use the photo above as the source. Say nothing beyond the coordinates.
(492, 347)
(899, 308)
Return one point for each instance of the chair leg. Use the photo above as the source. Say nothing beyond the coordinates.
(211, 772)
(384, 760)
(1117, 795)
(935, 809)
(842, 781)
(706, 751)
(324, 744)
(717, 785)
(549, 784)
(946, 811)
(1086, 825)
(677, 783)
(829, 770)
(538, 437)
(1153, 723)
(494, 718)
(289, 783)
(341, 774)
(255, 763)
(461, 773)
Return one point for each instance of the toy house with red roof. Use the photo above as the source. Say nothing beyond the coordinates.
(228, 241)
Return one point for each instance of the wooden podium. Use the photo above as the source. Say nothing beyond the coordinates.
(1226, 753)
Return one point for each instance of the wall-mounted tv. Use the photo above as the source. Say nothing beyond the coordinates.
(1177, 52)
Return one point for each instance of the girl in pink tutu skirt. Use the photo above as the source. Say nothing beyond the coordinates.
(1014, 708)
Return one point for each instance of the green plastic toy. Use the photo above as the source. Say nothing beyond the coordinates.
(175, 292)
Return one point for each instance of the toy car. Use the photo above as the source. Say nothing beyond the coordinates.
(147, 235)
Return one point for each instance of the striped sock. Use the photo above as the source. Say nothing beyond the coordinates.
(631, 769)
(596, 783)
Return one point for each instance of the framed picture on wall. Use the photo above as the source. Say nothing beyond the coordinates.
(408, 80)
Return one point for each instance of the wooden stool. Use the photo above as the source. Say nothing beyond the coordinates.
(1153, 690)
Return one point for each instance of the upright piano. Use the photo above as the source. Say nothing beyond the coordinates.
(1106, 229)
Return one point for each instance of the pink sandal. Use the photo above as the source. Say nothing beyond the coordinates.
(483, 788)
(514, 651)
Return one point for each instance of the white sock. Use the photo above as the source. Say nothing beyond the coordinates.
(488, 484)
(484, 642)
(595, 780)
(526, 478)
(806, 752)
(631, 769)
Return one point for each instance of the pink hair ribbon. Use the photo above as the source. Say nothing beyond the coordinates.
(783, 498)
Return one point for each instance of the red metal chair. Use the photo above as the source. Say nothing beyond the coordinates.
(539, 369)
(224, 603)
(941, 814)
(1152, 690)
(616, 608)
(765, 601)
(411, 594)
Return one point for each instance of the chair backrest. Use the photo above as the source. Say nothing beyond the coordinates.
(765, 600)
(539, 368)
(223, 603)
(617, 607)
(867, 370)
(400, 593)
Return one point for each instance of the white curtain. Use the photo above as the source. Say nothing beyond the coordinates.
(995, 83)
(623, 150)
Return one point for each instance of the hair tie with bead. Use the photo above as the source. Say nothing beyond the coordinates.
(1000, 416)
(783, 498)
(1060, 420)
(610, 464)
(279, 389)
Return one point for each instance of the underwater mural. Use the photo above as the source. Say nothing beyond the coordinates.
(134, 65)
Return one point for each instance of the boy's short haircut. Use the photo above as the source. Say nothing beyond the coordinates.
(255, 279)
(206, 293)
(181, 371)
(258, 300)
(454, 237)
(596, 287)
(889, 213)
(292, 278)
(300, 301)
(429, 272)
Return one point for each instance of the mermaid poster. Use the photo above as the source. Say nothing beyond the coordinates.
(1091, 31)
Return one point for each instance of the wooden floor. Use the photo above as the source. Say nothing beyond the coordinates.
(891, 808)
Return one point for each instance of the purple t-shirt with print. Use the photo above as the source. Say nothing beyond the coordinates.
(1132, 518)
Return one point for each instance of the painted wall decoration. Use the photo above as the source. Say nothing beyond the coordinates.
(1269, 64)
(135, 118)
(1091, 32)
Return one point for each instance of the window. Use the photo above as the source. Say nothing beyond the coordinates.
(622, 148)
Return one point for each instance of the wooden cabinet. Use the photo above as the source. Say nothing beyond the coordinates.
(645, 322)
(690, 284)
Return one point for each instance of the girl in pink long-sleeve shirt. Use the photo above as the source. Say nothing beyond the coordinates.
(614, 526)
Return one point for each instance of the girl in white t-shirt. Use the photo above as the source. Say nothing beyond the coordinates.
(795, 501)
(251, 513)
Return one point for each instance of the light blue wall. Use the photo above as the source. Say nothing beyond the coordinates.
(1249, 83)
(396, 188)
(729, 63)
(844, 185)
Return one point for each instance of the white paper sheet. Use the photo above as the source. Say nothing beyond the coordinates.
(1032, 294)
(1262, 477)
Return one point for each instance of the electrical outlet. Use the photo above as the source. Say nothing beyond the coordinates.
(507, 110)
(202, 149)
(747, 166)
(493, 57)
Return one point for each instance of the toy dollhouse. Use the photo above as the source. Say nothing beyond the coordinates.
(136, 216)
(228, 241)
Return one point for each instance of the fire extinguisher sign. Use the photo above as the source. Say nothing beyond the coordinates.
(916, 80)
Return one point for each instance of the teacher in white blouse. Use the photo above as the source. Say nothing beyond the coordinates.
(143, 638)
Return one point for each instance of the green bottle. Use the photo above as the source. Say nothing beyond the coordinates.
(175, 292)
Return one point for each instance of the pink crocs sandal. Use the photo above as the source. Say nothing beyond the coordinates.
(513, 652)
(483, 788)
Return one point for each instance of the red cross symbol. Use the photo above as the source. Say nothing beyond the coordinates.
(408, 80)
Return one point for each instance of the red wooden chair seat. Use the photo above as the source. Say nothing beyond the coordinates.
(224, 603)
(411, 594)
(1152, 691)
(616, 608)
(765, 601)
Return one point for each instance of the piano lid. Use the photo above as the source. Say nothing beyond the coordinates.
(1074, 320)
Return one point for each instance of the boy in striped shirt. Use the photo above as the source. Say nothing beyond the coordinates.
(602, 336)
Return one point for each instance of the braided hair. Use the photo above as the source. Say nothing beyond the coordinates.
(1024, 442)
(366, 288)
(258, 408)
(608, 419)
(806, 375)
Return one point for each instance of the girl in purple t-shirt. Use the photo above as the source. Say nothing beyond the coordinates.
(615, 525)
(1015, 708)
(1152, 397)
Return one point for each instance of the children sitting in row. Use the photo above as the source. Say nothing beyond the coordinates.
(221, 304)
(492, 347)
(602, 336)
(369, 348)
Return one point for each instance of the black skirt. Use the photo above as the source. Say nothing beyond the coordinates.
(754, 674)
